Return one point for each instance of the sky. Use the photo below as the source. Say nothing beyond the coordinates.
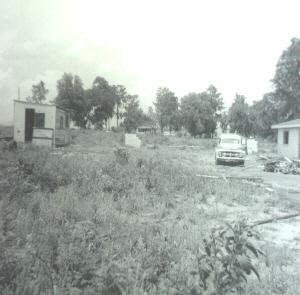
(144, 44)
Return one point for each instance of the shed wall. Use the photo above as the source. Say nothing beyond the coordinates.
(291, 149)
(19, 117)
(60, 114)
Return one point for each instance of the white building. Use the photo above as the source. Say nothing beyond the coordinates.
(41, 124)
(288, 138)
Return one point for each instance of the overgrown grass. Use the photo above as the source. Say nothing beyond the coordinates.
(120, 222)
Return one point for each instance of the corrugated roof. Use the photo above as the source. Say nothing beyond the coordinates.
(287, 124)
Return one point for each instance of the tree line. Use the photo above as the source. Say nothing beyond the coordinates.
(198, 113)
(94, 105)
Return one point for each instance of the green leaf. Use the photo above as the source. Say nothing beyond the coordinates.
(252, 248)
(255, 271)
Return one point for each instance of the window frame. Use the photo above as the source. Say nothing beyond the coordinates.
(286, 136)
(67, 121)
(61, 122)
(37, 120)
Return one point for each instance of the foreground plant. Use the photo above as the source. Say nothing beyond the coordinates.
(226, 260)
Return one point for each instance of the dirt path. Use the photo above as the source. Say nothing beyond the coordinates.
(281, 196)
(253, 169)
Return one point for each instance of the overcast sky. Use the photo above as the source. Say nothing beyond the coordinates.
(183, 45)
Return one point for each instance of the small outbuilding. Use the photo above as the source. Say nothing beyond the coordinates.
(146, 129)
(41, 124)
(288, 138)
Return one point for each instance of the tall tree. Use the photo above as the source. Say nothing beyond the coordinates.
(152, 116)
(287, 82)
(103, 98)
(133, 115)
(224, 121)
(198, 114)
(215, 99)
(166, 106)
(72, 96)
(39, 93)
(121, 96)
(239, 116)
(265, 114)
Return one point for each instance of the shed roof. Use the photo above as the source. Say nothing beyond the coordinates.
(44, 104)
(287, 124)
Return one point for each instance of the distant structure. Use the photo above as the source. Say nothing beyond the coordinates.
(41, 124)
(219, 131)
(113, 122)
(146, 129)
(288, 138)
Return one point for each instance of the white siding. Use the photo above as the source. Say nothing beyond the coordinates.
(19, 117)
(291, 149)
(112, 122)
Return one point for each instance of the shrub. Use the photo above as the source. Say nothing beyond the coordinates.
(118, 129)
(227, 260)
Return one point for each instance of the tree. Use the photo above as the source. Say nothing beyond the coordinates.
(287, 82)
(198, 114)
(265, 114)
(166, 106)
(121, 96)
(72, 96)
(39, 93)
(152, 117)
(103, 99)
(224, 121)
(133, 114)
(215, 99)
(239, 116)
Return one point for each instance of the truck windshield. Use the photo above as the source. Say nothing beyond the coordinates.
(230, 140)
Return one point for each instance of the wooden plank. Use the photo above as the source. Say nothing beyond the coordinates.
(261, 222)
(247, 178)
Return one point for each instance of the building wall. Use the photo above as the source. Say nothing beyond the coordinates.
(19, 117)
(60, 114)
(62, 133)
(112, 122)
(290, 150)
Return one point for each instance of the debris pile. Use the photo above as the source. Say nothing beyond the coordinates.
(281, 165)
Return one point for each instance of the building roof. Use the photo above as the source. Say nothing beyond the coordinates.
(43, 104)
(287, 124)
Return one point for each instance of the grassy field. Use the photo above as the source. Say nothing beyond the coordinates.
(98, 218)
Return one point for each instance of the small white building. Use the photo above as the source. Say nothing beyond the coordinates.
(288, 138)
(41, 124)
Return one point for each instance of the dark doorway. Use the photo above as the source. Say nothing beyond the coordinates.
(29, 123)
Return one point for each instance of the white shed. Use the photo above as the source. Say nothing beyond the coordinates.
(41, 124)
(288, 138)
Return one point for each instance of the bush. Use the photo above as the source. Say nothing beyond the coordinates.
(118, 129)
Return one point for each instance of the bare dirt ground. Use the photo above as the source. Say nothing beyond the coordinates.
(280, 195)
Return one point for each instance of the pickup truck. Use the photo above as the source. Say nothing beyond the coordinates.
(230, 150)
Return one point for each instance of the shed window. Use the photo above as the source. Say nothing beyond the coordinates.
(67, 121)
(285, 137)
(39, 120)
(61, 122)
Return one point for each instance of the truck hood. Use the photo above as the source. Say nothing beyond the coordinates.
(231, 147)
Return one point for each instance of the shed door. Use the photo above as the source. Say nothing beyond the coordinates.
(29, 123)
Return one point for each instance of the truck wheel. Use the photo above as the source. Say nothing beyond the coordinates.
(217, 162)
(243, 163)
